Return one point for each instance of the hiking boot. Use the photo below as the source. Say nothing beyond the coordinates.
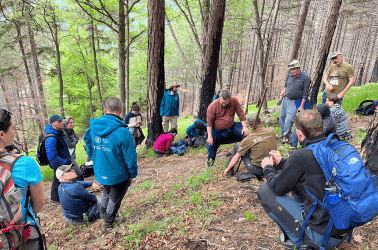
(209, 164)
(55, 202)
(285, 140)
(279, 136)
(117, 221)
(288, 244)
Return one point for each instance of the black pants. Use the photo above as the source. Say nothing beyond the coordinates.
(160, 154)
(111, 199)
(253, 169)
(54, 188)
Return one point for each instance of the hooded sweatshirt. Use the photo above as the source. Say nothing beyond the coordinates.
(163, 142)
(329, 123)
(111, 147)
(170, 104)
(192, 132)
(56, 148)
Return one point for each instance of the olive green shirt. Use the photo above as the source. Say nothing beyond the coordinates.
(260, 142)
(338, 77)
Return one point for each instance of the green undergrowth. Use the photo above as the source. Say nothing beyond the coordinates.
(186, 203)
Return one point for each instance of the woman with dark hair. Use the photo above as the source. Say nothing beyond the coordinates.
(28, 179)
(133, 120)
(163, 143)
(71, 140)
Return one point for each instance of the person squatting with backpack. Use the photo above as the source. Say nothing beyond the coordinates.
(27, 179)
(305, 221)
(197, 134)
(163, 143)
(295, 98)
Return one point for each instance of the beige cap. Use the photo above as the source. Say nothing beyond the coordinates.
(336, 53)
(294, 64)
(61, 170)
(174, 84)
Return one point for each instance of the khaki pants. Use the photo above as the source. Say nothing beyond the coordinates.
(166, 120)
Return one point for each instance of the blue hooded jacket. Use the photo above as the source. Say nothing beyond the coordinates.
(170, 104)
(111, 147)
(56, 150)
(193, 133)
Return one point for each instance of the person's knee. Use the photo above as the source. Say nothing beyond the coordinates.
(263, 191)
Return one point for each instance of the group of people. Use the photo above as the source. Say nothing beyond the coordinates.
(111, 144)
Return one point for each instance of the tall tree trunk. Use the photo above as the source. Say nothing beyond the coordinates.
(60, 78)
(5, 94)
(369, 146)
(122, 55)
(96, 67)
(155, 68)
(40, 110)
(324, 51)
(90, 95)
(214, 39)
(299, 31)
(127, 56)
(176, 41)
(21, 120)
(251, 77)
(374, 77)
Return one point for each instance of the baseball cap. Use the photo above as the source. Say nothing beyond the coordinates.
(55, 118)
(174, 84)
(294, 64)
(226, 84)
(336, 53)
(252, 117)
(61, 170)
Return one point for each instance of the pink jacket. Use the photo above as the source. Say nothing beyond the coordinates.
(163, 142)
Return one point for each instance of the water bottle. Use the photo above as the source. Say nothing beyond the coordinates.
(333, 195)
(85, 217)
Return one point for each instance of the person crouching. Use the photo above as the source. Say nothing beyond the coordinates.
(163, 143)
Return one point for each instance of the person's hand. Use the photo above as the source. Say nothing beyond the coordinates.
(96, 187)
(245, 131)
(300, 109)
(226, 171)
(210, 140)
(14, 151)
(340, 95)
(283, 93)
(276, 155)
(193, 139)
(267, 161)
(329, 87)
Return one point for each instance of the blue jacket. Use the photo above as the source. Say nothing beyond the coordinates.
(216, 96)
(192, 132)
(71, 207)
(170, 104)
(130, 115)
(111, 147)
(56, 150)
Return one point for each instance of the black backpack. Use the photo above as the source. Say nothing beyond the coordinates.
(367, 109)
(199, 141)
(41, 149)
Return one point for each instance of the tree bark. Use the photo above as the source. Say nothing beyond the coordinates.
(122, 55)
(155, 68)
(176, 41)
(369, 146)
(324, 51)
(374, 77)
(214, 39)
(96, 67)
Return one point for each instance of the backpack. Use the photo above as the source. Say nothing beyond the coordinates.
(180, 143)
(11, 219)
(367, 109)
(41, 149)
(199, 141)
(87, 169)
(180, 150)
(354, 199)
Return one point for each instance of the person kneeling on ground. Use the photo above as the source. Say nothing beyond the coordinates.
(163, 143)
(195, 130)
(252, 150)
(74, 197)
(340, 116)
(298, 173)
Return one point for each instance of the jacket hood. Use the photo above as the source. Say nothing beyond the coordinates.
(324, 110)
(106, 124)
(50, 130)
(167, 91)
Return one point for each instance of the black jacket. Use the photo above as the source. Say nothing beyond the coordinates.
(70, 137)
(301, 170)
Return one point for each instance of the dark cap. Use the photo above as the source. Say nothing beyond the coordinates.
(55, 118)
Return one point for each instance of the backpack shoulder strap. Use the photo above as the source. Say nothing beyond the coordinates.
(366, 101)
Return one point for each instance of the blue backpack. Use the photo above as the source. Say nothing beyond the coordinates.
(354, 200)
(180, 150)
(367, 109)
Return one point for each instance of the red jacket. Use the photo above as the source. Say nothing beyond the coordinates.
(163, 142)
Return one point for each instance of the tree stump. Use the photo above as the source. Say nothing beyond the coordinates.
(369, 146)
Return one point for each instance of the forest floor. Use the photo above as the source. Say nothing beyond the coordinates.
(178, 203)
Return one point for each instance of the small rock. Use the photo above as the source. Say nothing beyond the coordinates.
(147, 247)
(223, 239)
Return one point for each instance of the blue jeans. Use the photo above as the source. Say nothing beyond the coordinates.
(294, 138)
(324, 99)
(287, 116)
(290, 211)
(227, 136)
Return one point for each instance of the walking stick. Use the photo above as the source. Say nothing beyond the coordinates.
(254, 123)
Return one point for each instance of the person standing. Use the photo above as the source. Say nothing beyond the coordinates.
(133, 120)
(57, 151)
(295, 98)
(224, 86)
(170, 107)
(111, 147)
(339, 77)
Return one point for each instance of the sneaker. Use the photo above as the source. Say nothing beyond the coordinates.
(285, 140)
(117, 221)
(209, 164)
(55, 202)
(288, 244)
(279, 136)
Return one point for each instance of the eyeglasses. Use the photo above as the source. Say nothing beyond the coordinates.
(290, 66)
(4, 114)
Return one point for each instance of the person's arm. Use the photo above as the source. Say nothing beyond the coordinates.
(162, 106)
(178, 105)
(168, 143)
(325, 80)
(210, 122)
(241, 115)
(52, 152)
(130, 154)
(189, 131)
(88, 143)
(233, 162)
(37, 197)
(82, 193)
(350, 84)
(305, 92)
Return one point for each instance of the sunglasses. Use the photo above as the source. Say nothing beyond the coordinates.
(4, 114)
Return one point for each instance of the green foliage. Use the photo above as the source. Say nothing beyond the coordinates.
(249, 216)
(356, 95)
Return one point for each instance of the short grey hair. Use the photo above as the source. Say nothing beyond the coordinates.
(113, 105)
(225, 94)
